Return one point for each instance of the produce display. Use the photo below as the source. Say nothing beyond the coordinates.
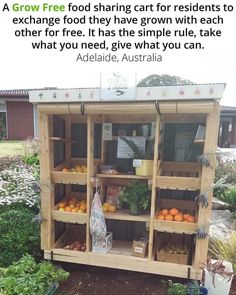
(73, 205)
(76, 246)
(77, 169)
(174, 215)
(174, 249)
(107, 207)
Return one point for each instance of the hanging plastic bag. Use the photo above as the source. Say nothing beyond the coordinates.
(98, 227)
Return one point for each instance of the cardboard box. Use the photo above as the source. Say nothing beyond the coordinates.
(140, 247)
(163, 256)
(102, 246)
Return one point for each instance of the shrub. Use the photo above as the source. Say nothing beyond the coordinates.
(26, 277)
(31, 151)
(6, 162)
(229, 196)
(19, 235)
(20, 184)
(225, 169)
(224, 249)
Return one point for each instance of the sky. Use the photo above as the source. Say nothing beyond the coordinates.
(24, 68)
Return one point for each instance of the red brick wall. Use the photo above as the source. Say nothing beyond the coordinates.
(20, 121)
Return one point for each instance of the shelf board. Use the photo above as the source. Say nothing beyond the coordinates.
(174, 226)
(63, 139)
(70, 217)
(121, 248)
(125, 176)
(124, 215)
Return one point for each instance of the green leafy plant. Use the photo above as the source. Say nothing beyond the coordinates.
(229, 196)
(19, 235)
(26, 277)
(137, 196)
(224, 249)
(138, 153)
(175, 288)
(194, 288)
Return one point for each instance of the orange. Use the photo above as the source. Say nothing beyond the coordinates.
(83, 207)
(191, 219)
(72, 206)
(71, 202)
(74, 210)
(65, 170)
(106, 205)
(178, 217)
(173, 211)
(61, 209)
(80, 211)
(68, 209)
(164, 212)
(186, 216)
(104, 209)
(169, 217)
(160, 217)
(62, 205)
(112, 208)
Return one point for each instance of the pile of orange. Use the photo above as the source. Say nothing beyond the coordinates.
(107, 207)
(174, 215)
(77, 168)
(72, 205)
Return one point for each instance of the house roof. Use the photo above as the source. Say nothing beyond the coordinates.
(16, 93)
(228, 109)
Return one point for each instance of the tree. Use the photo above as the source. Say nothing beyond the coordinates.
(163, 80)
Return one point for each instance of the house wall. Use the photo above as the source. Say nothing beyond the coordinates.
(20, 120)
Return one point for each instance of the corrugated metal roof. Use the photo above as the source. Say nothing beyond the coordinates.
(228, 109)
(14, 93)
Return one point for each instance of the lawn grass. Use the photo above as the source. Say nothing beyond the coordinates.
(10, 148)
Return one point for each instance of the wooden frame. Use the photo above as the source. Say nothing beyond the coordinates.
(166, 175)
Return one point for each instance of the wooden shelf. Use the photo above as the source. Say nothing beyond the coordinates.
(182, 183)
(69, 217)
(121, 248)
(125, 176)
(58, 176)
(63, 139)
(124, 215)
(174, 226)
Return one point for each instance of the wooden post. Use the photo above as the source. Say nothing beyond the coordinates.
(47, 189)
(207, 179)
(68, 146)
(153, 195)
(90, 172)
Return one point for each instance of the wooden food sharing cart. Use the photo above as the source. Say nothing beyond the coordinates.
(73, 148)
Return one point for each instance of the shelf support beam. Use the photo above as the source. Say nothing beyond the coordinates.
(208, 174)
(153, 195)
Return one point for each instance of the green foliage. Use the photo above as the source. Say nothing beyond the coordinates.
(19, 235)
(20, 184)
(26, 277)
(31, 159)
(163, 80)
(136, 193)
(224, 249)
(31, 151)
(225, 169)
(139, 153)
(175, 288)
(7, 162)
(194, 288)
(229, 196)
